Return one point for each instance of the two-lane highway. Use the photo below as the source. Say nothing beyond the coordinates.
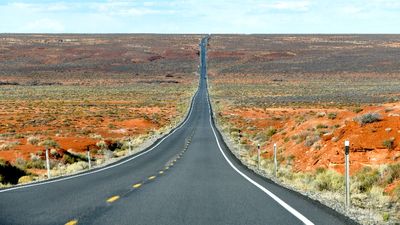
(188, 177)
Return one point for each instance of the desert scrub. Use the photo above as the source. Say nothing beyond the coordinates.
(332, 115)
(49, 143)
(328, 180)
(321, 126)
(9, 145)
(102, 145)
(389, 143)
(300, 137)
(271, 131)
(10, 174)
(390, 173)
(75, 167)
(25, 179)
(368, 118)
(364, 179)
(357, 110)
(33, 140)
(396, 193)
(311, 140)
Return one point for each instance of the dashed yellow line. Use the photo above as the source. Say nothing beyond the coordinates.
(113, 199)
(151, 178)
(161, 172)
(137, 185)
(72, 222)
(166, 168)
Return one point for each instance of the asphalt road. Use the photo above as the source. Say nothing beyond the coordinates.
(188, 177)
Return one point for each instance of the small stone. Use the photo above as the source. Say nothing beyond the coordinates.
(388, 129)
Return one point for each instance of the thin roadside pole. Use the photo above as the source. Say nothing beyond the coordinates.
(89, 159)
(258, 155)
(47, 163)
(347, 175)
(275, 162)
(130, 146)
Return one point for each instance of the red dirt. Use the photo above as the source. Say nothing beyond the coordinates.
(366, 141)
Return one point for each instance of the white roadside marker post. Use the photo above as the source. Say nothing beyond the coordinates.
(47, 163)
(347, 175)
(240, 137)
(130, 146)
(275, 162)
(89, 159)
(258, 156)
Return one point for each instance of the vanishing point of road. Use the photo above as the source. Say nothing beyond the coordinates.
(187, 177)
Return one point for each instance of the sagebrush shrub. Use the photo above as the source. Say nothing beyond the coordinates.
(368, 118)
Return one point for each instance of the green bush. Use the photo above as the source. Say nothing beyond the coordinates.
(321, 126)
(357, 110)
(70, 158)
(385, 216)
(365, 179)
(332, 115)
(35, 164)
(396, 193)
(271, 131)
(389, 144)
(10, 174)
(391, 173)
(33, 140)
(49, 143)
(328, 180)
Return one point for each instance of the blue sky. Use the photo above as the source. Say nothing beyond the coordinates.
(200, 16)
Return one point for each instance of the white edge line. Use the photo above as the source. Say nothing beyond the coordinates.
(266, 191)
(114, 165)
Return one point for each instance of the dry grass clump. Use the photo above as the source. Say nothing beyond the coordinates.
(328, 180)
(25, 179)
(33, 140)
(75, 167)
(9, 145)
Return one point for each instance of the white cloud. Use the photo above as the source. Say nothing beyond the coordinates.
(229, 16)
(287, 5)
(44, 25)
(40, 7)
(351, 9)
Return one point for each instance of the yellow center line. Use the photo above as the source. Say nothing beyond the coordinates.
(152, 177)
(72, 222)
(161, 172)
(167, 167)
(113, 199)
(137, 185)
